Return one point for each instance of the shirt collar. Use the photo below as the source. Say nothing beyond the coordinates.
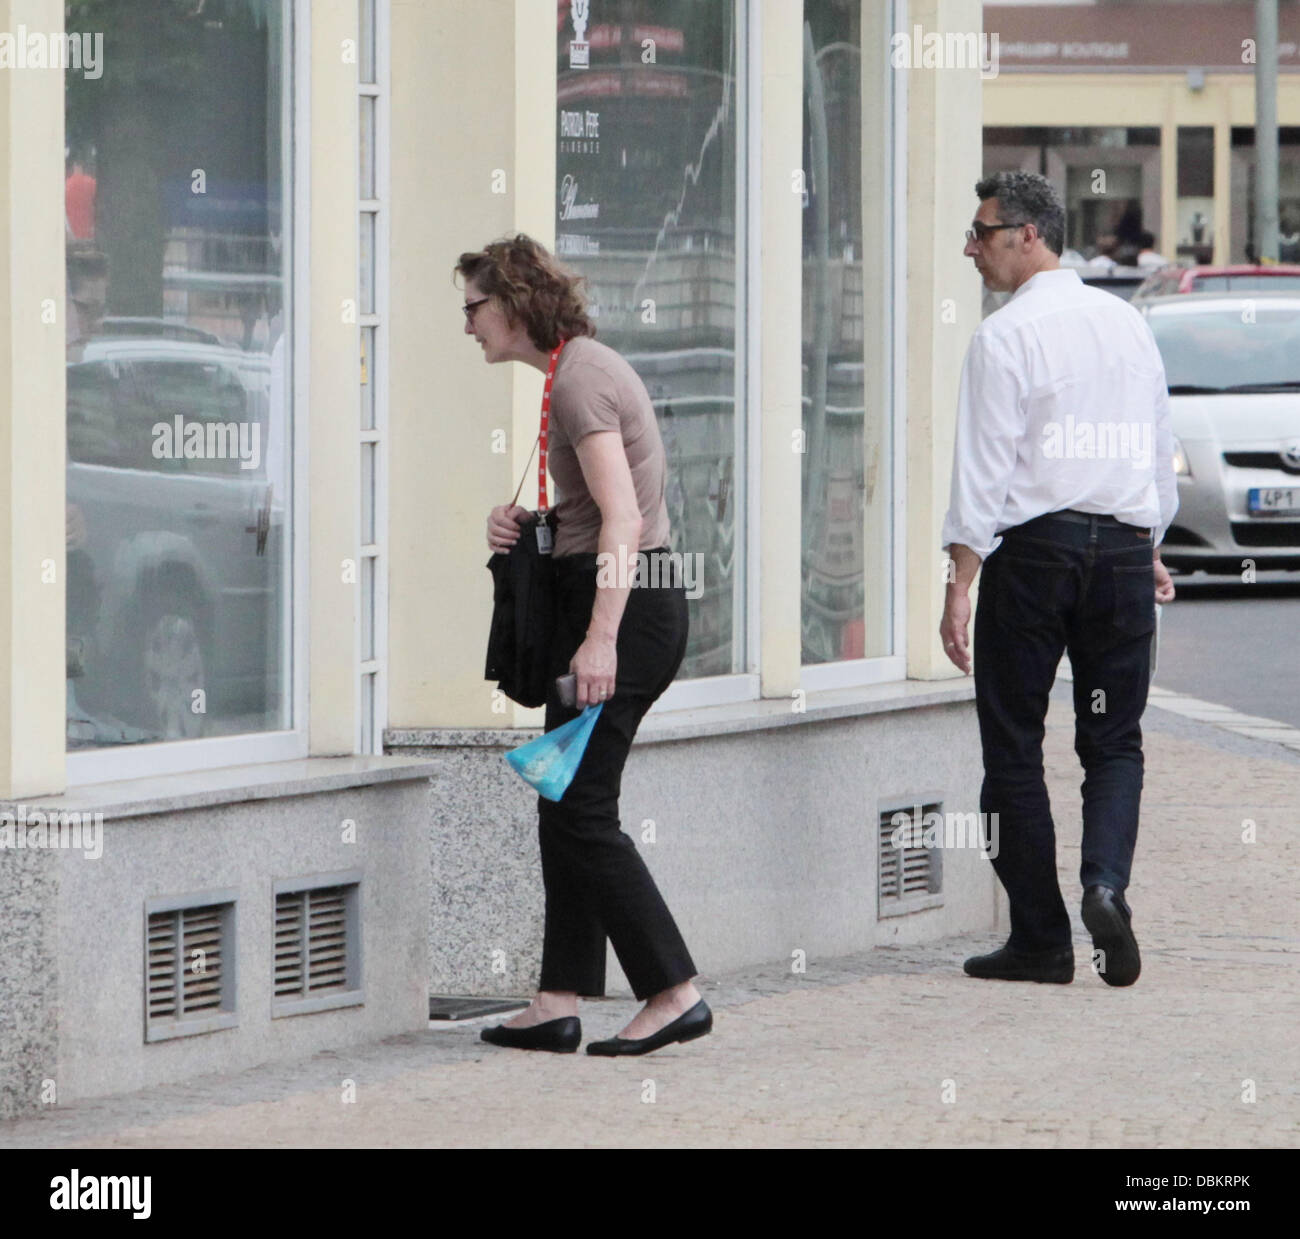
(1043, 278)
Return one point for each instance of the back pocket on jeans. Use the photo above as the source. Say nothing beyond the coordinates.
(1134, 612)
(1028, 593)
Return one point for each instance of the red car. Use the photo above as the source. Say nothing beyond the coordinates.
(1243, 277)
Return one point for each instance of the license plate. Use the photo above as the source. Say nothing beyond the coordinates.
(1268, 500)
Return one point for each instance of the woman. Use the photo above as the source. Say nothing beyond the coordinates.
(624, 645)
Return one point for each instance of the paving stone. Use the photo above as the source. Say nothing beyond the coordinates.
(895, 1047)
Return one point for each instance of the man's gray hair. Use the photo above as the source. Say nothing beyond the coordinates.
(1027, 198)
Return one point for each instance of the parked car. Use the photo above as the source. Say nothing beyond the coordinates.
(174, 587)
(156, 328)
(1278, 277)
(1232, 364)
(1122, 281)
(1114, 278)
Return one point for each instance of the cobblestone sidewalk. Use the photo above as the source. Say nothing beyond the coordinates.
(892, 1048)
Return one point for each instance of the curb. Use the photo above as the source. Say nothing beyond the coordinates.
(1228, 719)
(1225, 717)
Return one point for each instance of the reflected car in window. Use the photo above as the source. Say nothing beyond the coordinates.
(1124, 282)
(1241, 278)
(1232, 364)
(176, 517)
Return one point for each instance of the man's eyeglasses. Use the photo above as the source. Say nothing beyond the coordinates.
(981, 232)
(470, 306)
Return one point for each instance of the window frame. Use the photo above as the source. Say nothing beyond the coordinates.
(372, 701)
(128, 761)
(745, 685)
(887, 668)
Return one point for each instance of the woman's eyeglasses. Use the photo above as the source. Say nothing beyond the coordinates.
(470, 306)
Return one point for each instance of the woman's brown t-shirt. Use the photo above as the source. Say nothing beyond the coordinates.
(595, 389)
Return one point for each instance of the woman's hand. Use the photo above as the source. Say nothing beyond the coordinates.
(503, 526)
(595, 665)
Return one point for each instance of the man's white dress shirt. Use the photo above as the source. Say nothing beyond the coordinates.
(1063, 404)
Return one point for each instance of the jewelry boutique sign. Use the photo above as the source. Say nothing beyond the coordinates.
(1135, 36)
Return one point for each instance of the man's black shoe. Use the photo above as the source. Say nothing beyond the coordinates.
(1056, 967)
(1115, 951)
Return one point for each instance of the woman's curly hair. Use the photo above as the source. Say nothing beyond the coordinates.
(532, 287)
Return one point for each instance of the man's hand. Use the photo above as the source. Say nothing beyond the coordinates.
(964, 566)
(1164, 582)
(952, 631)
(503, 526)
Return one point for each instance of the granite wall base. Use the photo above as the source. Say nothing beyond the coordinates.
(764, 843)
(29, 978)
(72, 999)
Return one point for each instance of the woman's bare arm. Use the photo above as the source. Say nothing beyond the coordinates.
(609, 478)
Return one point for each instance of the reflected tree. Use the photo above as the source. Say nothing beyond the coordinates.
(148, 119)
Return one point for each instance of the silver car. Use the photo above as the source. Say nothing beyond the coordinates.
(176, 583)
(1232, 363)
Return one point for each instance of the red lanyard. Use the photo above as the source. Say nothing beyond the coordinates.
(546, 421)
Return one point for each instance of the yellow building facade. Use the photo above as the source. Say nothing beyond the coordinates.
(251, 453)
(1144, 112)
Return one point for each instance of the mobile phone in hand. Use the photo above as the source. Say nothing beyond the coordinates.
(567, 685)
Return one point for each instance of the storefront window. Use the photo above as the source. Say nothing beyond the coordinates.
(179, 434)
(1195, 194)
(1244, 247)
(1109, 179)
(847, 273)
(646, 184)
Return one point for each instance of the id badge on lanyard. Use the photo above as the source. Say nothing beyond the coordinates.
(545, 535)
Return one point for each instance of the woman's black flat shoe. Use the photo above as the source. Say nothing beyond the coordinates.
(697, 1022)
(561, 1036)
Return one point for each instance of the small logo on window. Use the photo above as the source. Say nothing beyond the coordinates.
(579, 48)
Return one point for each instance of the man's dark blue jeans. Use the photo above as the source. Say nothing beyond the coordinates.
(1084, 584)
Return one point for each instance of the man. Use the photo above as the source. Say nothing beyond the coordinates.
(79, 202)
(1062, 488)
(1148, 255)
(87, 297)
(1103, 261)
(1288, 241)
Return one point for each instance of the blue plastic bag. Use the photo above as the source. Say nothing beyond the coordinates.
(550, 762)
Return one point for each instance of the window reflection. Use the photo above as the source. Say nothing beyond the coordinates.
(646, 183)
(846, 585)
(177, 418)
(1243, 169)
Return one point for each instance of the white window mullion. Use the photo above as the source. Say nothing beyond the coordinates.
(372, 220)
